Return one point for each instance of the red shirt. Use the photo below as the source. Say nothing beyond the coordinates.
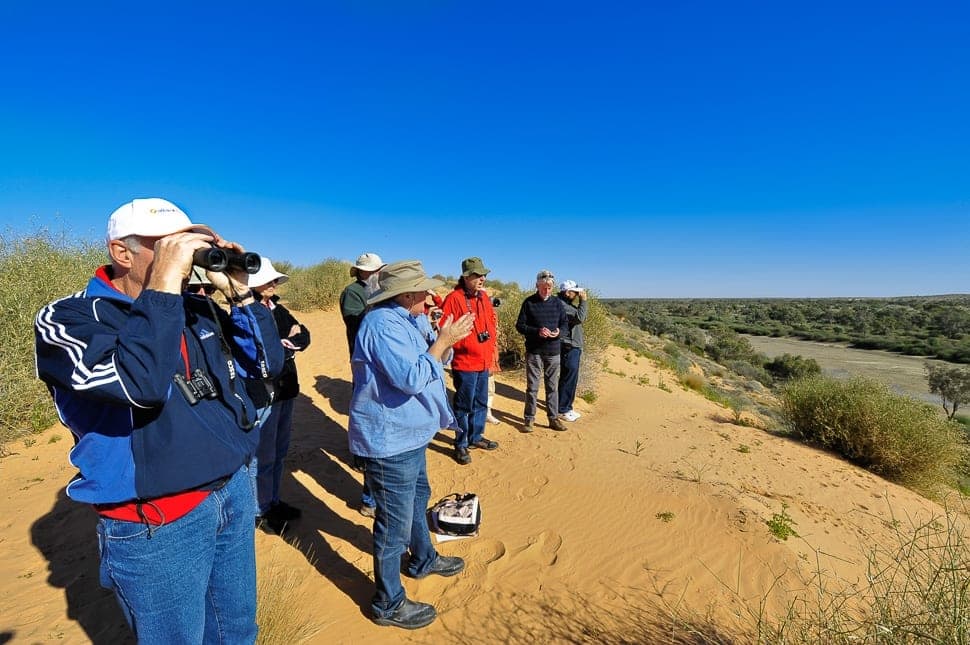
(470, 354)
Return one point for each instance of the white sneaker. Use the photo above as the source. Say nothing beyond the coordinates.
(570, 416)
(575, 414)
(492, 419)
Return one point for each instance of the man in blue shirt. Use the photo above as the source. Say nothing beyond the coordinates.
(399, 404)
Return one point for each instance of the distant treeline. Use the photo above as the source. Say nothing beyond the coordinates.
(936, 326)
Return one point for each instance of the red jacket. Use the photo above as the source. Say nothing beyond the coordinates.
(470, 354)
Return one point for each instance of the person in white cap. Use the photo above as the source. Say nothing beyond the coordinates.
(353, 306)
(274, 432)
(152, 381)
(353, 299)
(577, 308)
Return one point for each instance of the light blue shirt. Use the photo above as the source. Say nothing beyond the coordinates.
(399, 400)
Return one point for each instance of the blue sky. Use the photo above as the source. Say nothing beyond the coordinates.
(688, 149)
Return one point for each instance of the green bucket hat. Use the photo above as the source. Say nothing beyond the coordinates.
(473, 265)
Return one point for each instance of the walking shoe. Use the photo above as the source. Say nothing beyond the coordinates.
(556, 424)
(271, 524)
(484, 444)
(444, 565)
(409, 615)
(368, 511)
(492, 419)
(570, 416)
(462, 456)
(528, 426)
(284, 511)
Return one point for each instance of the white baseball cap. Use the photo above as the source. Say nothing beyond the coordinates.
(150, 217)
(266, 274)
(569, 285)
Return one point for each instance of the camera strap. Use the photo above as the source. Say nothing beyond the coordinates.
(244, 422)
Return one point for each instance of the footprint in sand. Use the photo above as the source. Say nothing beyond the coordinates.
(533, 488)
(543, 549)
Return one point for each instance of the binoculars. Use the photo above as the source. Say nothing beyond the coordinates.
(216, 259)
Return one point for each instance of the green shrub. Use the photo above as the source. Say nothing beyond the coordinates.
(34, 270)
(897, 437)
(693, 381)
(317, 287)
(788, 366)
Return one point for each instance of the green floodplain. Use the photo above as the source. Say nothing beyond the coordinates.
(888, 339)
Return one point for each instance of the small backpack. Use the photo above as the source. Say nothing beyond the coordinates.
(456, 514)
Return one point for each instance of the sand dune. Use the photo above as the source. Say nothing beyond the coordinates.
(570, 548)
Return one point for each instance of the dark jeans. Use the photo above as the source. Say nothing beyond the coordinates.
(471, 406)
(568, 378)
(400, 487)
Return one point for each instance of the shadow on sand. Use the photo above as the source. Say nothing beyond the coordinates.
(67, 537)
(319, 449)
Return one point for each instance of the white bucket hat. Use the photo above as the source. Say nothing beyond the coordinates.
(266, 274)
(367, 262)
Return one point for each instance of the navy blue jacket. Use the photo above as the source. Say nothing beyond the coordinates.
(109, 363)
(537, 313)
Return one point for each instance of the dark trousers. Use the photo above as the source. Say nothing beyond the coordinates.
(568, 378)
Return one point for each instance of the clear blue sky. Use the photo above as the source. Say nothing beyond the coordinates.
(643, 149)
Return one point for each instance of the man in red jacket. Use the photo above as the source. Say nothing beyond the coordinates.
(472, 358)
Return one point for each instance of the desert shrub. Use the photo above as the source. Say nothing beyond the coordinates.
(789, 366)
(511, 344)
(318, 286)
(726, 345)
(895, 436)
(749, 371)
(35, 269)
(916, 590)
(694, 381)
(284, 613)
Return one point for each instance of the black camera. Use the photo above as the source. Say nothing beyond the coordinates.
(436, 315)
(196, 388)
(496, 302)
(483, 336)
(216, 259)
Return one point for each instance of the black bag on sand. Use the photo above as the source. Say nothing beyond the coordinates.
(456, 514)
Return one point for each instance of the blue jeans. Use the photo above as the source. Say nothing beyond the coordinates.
(400, 487)
(568, 378)
(471, 406)
(274, 442)
(547, 368)
(191, 581)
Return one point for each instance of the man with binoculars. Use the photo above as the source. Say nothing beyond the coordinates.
(152, 382)
(472, 359)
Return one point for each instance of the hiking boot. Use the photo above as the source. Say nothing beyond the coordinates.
(484, 444)
(409, 615)
(462, 456)
(528, 427)
(271, 524)
(368, 511)
(286, 512)
(556, 424)
(444, 565)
